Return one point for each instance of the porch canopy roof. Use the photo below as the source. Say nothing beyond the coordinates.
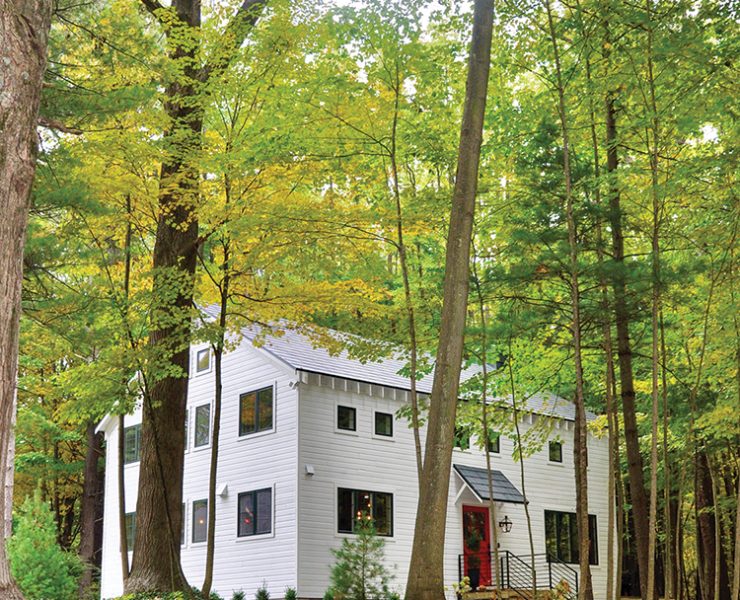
(477, 480)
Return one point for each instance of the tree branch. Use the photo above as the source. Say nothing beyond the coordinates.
(56, 125)
(236, 31)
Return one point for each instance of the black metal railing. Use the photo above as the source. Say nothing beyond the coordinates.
(523, 575)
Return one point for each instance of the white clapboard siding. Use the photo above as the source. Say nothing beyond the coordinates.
(266, 459)
(298, 551)
(361, 460)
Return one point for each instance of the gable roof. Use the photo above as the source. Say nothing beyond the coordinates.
(300, 352)
(477, 480)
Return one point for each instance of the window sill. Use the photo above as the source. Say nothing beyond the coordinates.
(351, 432)
(385, 438)
(247, 538)
(353, 536)
(200, 448)
(555, 463)
(256, 434)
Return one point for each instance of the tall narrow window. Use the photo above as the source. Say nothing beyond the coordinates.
(187, 429)
(255, 411)
(556, 452)
(494, 442)
(203, 360)
(255, 513)
(184, 521)
(202, 425)
(132, 444)
(384, 424)
(200, 521)
(346, 418)
(130, 530)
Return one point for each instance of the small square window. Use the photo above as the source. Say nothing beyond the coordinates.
(255, 513)
(200, 521)
(255, 411)
(346, 418)
(203, 360)
(556, 452)
(462, 438)
(384, 424)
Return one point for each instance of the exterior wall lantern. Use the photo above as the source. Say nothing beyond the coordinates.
(505, 524)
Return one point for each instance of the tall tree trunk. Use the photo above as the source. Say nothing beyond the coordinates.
(156, 562)
(705, 525)
(90, 502)
(736, 565)
(426, 572)
(655, 307)
(670, 583)
(622, 319)
(218, 353)
(24, 31)
(580, 446)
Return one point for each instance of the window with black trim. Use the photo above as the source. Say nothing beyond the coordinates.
(182, 529)
(200, 521)
(187, 429)
(255, 411)
(255, 512)
(555, 450)
(131, 444)
(202, 425)
(203, 360)
(384, 424)
(130, 530)
(361, 504)
(494, 442)
(346, 418)
(561, 537)
(462, 437)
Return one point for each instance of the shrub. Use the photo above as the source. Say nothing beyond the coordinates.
(262, 593)
(238, 595)
(40, 567)
(195, 594)
(291, 594)
(359, 572)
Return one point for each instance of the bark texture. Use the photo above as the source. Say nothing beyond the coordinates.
(427, 561)
(91, 509)
(24, 33)
(156, 562)
(635, 465)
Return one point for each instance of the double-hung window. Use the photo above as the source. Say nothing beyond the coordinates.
(131, 444)
(203, 360)
(255, 411)
(354, 505)
(561, 537)
(255, 513)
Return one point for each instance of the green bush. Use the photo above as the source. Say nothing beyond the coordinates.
(42, 569)
(262, 593)
(195, 594)
(291, 594)
(238, 595)
(359, 572)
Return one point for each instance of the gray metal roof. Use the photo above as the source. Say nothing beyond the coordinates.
(324, 351)
(477, 480)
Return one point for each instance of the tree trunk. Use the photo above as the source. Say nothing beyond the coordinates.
(24, 31)
(580, 433)
(156, 564)
(705, 525)
(426, 573)
(736, 565)
(91, 489)
(627, 389)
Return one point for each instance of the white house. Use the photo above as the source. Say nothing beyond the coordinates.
(308, 439)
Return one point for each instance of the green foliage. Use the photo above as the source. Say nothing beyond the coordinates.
(195, 594)
(42, 569)
(291, 593)
(358, 572)
(262, 593)
(238, 595)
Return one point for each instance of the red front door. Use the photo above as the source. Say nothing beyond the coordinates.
(477, 544)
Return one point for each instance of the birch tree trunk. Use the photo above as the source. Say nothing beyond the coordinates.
(24, 33)
(426, 572)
